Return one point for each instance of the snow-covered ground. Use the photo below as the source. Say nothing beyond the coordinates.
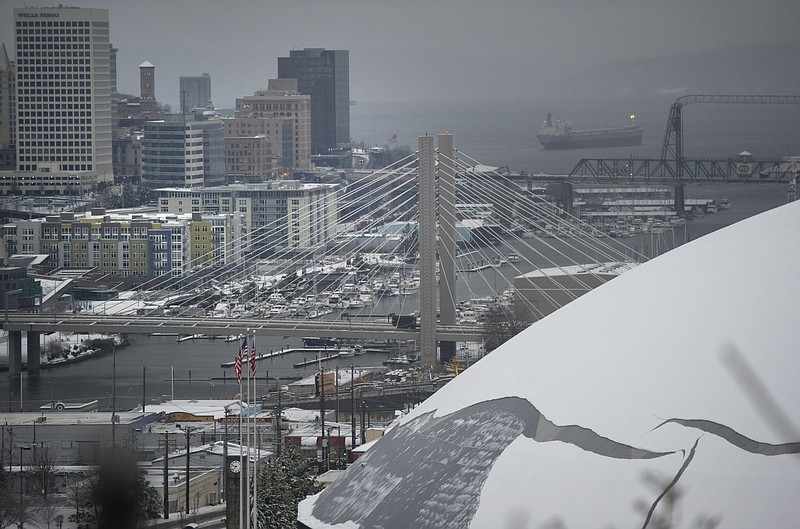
(73, 346)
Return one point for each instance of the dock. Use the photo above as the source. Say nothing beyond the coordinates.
(273, 354)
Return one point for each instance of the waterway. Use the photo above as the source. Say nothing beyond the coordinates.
(160, 367)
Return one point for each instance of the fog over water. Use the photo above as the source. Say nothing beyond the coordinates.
(417, 50)
(503, 133)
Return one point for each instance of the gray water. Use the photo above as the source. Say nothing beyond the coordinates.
(503, 133)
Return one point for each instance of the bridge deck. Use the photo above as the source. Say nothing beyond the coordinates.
(83, 323)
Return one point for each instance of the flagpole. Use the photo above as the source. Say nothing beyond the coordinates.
(240, 449)
(247, 434)
(255, 436)
(238, 369)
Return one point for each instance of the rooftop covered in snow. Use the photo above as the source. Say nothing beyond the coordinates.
(633, 406)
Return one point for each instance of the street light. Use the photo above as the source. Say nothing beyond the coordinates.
(21, 475)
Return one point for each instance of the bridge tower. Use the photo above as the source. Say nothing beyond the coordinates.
(447, 241)
(426, 229)
(430, 180)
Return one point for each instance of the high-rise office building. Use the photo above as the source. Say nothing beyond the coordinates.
(195, 92)
(277, 131)
(8, 93)
(325, 76)
(248, 158)
(281, 104)
(182, 150)
(63, 104)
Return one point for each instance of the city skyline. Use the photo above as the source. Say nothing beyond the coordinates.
(506, 51)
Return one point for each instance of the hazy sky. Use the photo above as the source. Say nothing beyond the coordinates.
(407, 50)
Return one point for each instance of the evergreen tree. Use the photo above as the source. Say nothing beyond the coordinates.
(285, 481)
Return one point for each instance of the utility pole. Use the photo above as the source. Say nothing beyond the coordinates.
(322, 411)
(363, 421)
(113, 394)
(336, 392)
(21, 482)
(278, 411)
(352, 408)
(166, 473)
(188, 430)
(225, 458)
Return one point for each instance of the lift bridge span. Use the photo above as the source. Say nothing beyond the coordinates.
(673, 167)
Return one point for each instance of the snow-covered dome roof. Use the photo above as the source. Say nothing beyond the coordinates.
(669, 393)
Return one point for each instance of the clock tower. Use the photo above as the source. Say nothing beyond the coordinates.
(147, 88)
(234, 469)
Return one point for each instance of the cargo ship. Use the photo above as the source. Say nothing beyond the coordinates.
(558, 134)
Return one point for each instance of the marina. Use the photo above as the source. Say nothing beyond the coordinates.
(485, 273)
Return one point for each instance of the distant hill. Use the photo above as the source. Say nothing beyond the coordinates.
(762, 68)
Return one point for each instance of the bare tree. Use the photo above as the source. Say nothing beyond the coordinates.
(43, 472)
(53, 348)
(6, 500)
(23, 511)
(500, 325)
(80, 497)
(47, 512)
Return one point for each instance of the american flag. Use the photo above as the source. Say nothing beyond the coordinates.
(240, 359)
(253, 359)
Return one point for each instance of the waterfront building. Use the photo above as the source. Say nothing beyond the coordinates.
(63, 64)
(280, 101)
(17, 289)
(325, 76)
(278, 215)
(22, 237)
(195, 92)
(129, 245)
(545, 290)
(183, 150)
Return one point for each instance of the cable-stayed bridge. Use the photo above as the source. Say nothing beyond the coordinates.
(402, 235)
